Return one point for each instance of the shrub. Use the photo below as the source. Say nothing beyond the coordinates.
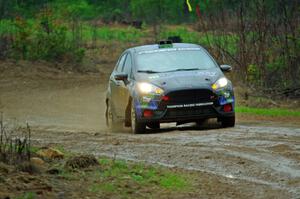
(42, 39)
(14, 144)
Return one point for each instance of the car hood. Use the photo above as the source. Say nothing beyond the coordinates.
(182, 79)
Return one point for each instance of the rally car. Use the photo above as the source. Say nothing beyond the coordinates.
(168, 82)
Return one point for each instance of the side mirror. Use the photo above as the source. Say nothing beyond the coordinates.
(121, 77)
(226, 68)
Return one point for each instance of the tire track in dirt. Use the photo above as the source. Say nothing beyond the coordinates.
(217, 151)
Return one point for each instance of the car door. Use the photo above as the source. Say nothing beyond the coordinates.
(116, 84)
(123, 89)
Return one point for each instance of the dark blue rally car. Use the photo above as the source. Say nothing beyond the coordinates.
(168, 82)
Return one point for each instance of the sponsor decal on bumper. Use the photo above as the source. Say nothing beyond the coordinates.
(189, 105)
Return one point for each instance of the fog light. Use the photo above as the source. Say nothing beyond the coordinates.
(227, 108)
(165, 98)
(148, 113)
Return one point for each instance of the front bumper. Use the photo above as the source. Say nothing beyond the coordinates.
(186, 106)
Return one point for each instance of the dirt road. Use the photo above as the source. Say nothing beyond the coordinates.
(263, 158)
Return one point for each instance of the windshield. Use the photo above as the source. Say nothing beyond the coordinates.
(173, 60)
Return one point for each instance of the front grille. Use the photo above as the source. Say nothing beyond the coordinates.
(190, 96)
(187, 112)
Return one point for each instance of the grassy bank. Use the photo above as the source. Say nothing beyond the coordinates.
(121, 178)
(104, 178)
(280, 112)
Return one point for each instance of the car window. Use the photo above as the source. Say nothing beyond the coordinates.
(174, 59)
(121, 63)
(128, 65)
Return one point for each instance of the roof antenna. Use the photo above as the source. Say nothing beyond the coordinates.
(165, 42)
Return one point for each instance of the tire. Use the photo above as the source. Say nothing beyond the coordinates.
(111, 121)
(127, 115)
(200, 123)
(136, 126)
(228, 121)
(154, 125)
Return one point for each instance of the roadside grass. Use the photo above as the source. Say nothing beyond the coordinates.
(107, 33)
(87, 32)
(122, 178)
(112, 179)
(28, 195)
(33, 149)
(268, 111)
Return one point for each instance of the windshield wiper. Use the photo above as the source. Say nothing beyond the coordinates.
(147, 71)
(182, 69)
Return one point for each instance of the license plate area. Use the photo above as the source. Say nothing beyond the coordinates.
(190, 111)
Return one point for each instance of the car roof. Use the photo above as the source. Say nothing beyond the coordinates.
(138, 49)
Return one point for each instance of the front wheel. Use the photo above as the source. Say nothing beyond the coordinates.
(136, 126)
(154, 125)
(200, 122)
(228, 121)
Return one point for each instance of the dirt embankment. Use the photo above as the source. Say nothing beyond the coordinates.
(52, 99)
(256, 159)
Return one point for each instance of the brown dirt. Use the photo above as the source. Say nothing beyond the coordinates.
(259, 158)
(287, 121)
(82, 161)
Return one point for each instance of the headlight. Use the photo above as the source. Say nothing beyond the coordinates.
(146, 88)
(221, 83)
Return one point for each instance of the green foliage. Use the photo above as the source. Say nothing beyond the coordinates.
(43, 38)
(28, 195)
(155, 11)
(7, 27)
(58, 30)
(151, 11)
(107, 33)
(111, 10)
(209, 39)
(135, 174)
(267, 112)
(171, 181)
(253, 73)
(49, 46)
(15, 144)
(75, 9)
(80, 10)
